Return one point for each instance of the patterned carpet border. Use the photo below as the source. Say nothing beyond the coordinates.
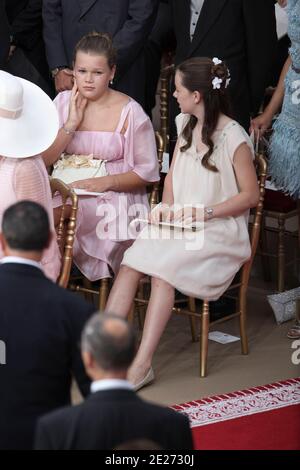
(242, 403)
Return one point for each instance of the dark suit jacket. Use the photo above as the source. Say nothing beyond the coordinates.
(4, 35)
(241, 32)
(25, 17)
(129, 22)
(109, 418)
(40, 324)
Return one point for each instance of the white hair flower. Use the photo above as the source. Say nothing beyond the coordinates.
(216, 83)
(216, 61)
(227, 82)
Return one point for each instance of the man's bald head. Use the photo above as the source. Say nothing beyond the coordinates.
(110, 340)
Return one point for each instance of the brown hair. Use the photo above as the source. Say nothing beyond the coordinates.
(197, 74)
(99, 44)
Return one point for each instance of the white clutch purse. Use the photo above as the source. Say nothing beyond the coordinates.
(70, 168)
(284, 304)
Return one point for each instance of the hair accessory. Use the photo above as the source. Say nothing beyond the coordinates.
(217, 81)
(216, 61)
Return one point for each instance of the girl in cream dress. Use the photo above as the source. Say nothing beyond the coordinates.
(212, 180)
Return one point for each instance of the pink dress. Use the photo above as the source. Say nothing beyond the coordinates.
(27, 178)
(102, 233)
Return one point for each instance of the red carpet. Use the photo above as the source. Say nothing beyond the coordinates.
(262, 418)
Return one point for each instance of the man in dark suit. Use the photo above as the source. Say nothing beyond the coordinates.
(241, 32)
(4, 35)
(113, 414)
(129, 22)
(25, 18)
(40, 326)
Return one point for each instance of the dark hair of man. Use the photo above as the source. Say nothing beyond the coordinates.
(110, 340)
(25, 226)
(197, 74)
(98, 44)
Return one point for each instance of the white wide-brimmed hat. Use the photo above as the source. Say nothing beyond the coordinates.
(28, 118)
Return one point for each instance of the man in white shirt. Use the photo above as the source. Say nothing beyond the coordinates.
(113, 414)
(240, 32)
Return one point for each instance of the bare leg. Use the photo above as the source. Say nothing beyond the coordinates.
(123, 291)
(158, 313)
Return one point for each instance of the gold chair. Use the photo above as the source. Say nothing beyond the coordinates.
(281, 208)
(166, 76)
(241, 284)
(105, 283)
(66, 227)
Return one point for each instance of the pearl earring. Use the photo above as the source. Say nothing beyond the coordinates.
(111, 82)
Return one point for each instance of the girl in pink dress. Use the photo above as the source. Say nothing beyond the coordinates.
(96, 120)
(28, 126)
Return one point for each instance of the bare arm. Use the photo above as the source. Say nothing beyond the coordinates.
(263, 122)
(236, 205)
(123, 182)
(247, 181)
(57, 148)
(76, 113)
(277, 98)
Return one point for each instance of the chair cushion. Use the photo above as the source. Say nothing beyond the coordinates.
(278, 202)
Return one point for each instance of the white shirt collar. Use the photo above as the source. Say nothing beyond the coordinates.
(19, 260)
(196, 7)
(109, 384)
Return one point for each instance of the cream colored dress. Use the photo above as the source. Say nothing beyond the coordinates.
(203, 263)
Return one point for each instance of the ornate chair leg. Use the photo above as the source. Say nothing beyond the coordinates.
(281, 255)
(263, 248)
(140, 307)
(204, 338)
(103, 293)
(192, 308)
(131, 313)
(88, 285)
(243, 315)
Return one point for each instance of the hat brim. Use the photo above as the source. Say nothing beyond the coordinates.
(35, 130)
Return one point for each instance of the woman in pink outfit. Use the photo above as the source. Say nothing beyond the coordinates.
(99, 121)
(28, 126)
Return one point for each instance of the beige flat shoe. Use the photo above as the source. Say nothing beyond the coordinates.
(294, 332)
(149, 378)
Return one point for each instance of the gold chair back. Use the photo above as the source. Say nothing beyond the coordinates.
(261, 170)
(66, 227)
(166, 76)
(155, 190)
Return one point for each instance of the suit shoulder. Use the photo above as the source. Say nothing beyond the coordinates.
(61, 417)
(70, 301)
(164, 412)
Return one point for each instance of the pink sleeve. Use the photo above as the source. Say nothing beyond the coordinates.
(29, 183)
(140, 148)
(62, 105)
